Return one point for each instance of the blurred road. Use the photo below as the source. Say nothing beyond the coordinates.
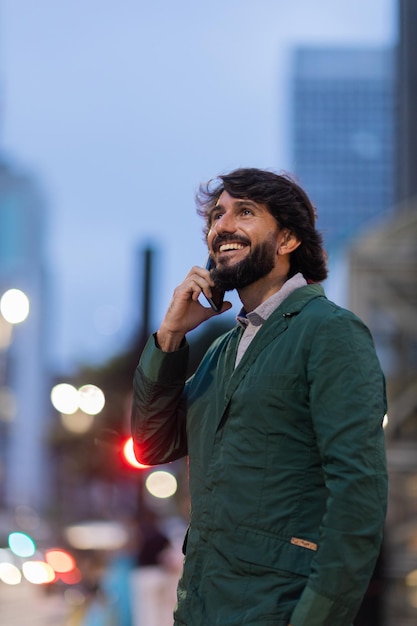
(29, 605)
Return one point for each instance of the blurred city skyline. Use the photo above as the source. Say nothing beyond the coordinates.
(121, 111)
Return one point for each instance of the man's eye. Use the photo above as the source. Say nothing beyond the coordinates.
(217, 216)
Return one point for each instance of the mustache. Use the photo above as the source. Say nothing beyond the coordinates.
(226, 238)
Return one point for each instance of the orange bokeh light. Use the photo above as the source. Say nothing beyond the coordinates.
(61, 561)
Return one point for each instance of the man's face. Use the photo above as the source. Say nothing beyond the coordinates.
(243, 241)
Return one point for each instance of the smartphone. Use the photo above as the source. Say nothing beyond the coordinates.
(216, 299)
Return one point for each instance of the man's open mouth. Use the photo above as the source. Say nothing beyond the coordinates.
(224, 247)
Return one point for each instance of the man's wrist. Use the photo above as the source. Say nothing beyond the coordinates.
(168, 341)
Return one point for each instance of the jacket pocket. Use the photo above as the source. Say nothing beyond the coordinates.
(293, 555)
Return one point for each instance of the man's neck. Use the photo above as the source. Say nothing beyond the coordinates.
(253, 295)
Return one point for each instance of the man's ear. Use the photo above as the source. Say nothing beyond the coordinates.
(288, 242)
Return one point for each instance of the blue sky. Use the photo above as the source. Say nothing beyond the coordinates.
(121, 108)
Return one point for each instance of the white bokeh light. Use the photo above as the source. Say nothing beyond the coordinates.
(68, 400)
(64, 398)
(14, 306)
(97, 535)
(91, 399)
(161, 484)
(38, 572)
(10, 574)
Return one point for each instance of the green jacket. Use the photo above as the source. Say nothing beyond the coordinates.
(287, 466)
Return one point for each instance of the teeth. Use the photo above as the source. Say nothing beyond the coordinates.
(231, 246)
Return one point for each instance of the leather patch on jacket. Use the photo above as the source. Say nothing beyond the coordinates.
(303, 543)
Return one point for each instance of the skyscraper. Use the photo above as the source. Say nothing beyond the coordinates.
(23, 375)
(343, 136)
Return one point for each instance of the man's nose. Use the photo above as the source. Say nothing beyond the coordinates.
(225, 224)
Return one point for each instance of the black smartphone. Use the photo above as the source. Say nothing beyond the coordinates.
(216, 299)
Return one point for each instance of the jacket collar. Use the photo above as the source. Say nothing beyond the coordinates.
(298, 299)
(259, 315)
(276, 324)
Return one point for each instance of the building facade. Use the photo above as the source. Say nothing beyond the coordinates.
(24, 409)
(343, 136)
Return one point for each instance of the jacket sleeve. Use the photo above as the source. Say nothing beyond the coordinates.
(347, 401)
(158, 410)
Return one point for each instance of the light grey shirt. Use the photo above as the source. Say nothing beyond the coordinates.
(253, 321)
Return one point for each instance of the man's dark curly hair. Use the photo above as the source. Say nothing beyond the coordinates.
(285, 200)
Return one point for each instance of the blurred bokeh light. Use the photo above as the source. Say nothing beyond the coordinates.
(14, 306)
(161, 484)
(64, 398)
(91, 399)
(21, 544)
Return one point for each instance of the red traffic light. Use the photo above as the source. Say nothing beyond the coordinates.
(129, 455)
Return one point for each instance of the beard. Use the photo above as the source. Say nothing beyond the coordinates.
(257, 264)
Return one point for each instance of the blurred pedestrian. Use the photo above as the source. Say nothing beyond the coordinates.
(154, 580)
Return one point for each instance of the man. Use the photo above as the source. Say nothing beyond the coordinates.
(282, 421)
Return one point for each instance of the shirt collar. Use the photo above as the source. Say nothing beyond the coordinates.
(259, 315)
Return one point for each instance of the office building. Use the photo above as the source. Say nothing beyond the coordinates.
(24, 408)
(343, 136)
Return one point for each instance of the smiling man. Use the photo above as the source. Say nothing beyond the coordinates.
(281, 422)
